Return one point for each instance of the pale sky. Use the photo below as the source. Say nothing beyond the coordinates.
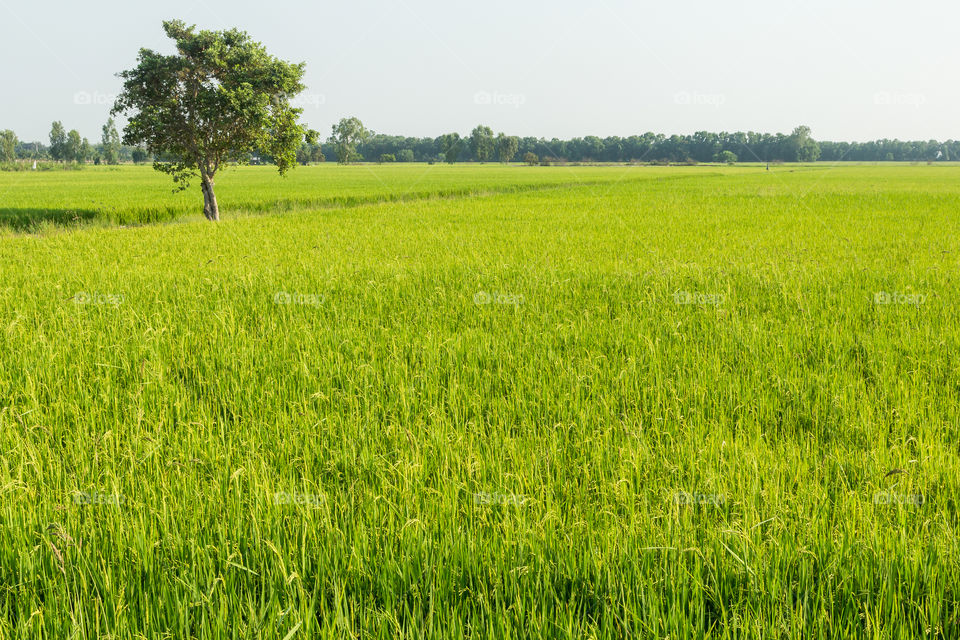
(849, 69)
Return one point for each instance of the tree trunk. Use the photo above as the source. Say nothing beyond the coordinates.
(210, 209)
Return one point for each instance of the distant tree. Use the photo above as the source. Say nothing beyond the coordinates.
(8, 146)
(705, 146)
(531, 158)
(221, 97)
(482, 143)
(139, 155)
(507, 147)
(27, 150)
(593, 147)
(347, 135)
(387, 157)
(726, 156)
(451, 146)
(58, 141)
(405, 155)
(801, 146)
(110, 142)
(74, 144)
(86, 152)
(310, 152)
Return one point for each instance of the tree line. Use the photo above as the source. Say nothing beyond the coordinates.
(350, 141)
(69, 147)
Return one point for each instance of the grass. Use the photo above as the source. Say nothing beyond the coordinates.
(665, 403)
(33, 201)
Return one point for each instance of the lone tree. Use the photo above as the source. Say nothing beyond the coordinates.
(221, 97)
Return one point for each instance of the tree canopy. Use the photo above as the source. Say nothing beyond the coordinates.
(346, 135)
(482, 142)
(220, 97)
(657, 148)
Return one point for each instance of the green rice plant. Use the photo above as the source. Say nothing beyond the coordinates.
(125, 195)
(649, 403)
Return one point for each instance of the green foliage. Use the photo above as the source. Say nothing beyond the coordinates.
(803, 148)
(387, 157)
(531, 158)
(450, 146)
(310, 152)
(507, 147)
(74, 148)
(110, 142)
(701, 146)
(347, 134)
(27, 166)
(220, 97)
(726, 157)
(8, 146)
(86, 151)
(58, 142)
(482, 143)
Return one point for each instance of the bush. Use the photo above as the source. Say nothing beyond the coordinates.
(530, 158)
(387, 157)
(42, 165)
(727, 157)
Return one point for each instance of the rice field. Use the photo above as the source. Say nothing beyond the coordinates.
(483, 402)
(33, 201)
